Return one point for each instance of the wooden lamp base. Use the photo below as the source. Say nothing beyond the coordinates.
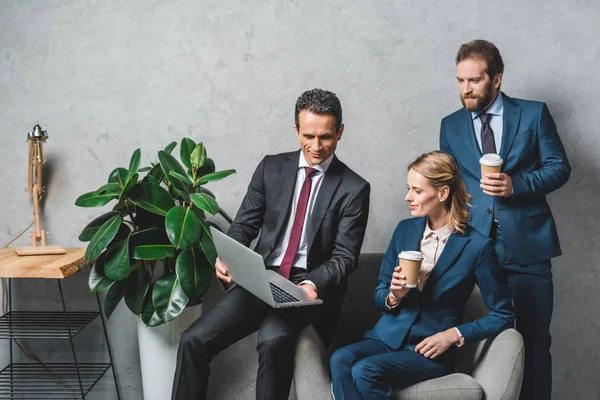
(39, 250)
(43, 249)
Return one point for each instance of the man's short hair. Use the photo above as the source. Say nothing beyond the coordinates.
(484, 50)
(321, 102)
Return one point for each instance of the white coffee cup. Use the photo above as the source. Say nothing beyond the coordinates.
(410, 262)
(490, 163)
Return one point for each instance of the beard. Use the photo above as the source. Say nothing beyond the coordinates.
(482, 101)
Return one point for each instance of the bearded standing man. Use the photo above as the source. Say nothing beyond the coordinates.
(510, 207)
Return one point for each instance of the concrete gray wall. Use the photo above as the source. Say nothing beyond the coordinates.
(107, 77)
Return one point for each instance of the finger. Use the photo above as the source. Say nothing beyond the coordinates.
(426, 348)
(398, 269)
(494, 189)
(430, 352)
(420, 345)
(489, 182)
(495, 176)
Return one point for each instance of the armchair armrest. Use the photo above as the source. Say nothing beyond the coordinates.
(498, 365)
(311, 367)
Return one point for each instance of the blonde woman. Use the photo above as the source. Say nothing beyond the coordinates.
(416, 338)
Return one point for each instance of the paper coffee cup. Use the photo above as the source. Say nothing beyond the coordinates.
(490, 163)
(410, 262)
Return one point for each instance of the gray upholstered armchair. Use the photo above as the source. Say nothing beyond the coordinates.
(491, 369)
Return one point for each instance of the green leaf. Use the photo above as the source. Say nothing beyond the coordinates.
(130, 183)
(156, 173)
(168, 163)
(90, 229)
(182, 178)
(92, 199)
(102, 237)
(149, 315)
(186, 149)
(97, 280)
(198, 156)
(183, 227)
(109, 188)
(151, 197)
(145, 169)
(118, 175)
(207, 168)
(207, 244)
(216, 176)
(205, 202)
(194, 272)
(170, 147)
(168, 297)
(151, 244)
(113, 297)
(145, 219)
(135, 289)
(117, 261)
(134, 164)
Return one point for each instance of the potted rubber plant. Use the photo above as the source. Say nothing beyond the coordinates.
(154, 248)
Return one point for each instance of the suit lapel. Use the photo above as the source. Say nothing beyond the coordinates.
(467, 132)
(510, 122)
(413, 241)
(286, 183)
(331, 181)
(456, 243)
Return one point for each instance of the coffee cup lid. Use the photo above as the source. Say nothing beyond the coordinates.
(411, 255)
(491, 160)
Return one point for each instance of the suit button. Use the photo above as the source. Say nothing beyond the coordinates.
(489, 210)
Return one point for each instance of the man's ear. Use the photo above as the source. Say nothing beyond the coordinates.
(340, 132)
(296, 130)
(497, 81)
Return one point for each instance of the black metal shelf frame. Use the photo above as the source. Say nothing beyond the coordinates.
(51, 380)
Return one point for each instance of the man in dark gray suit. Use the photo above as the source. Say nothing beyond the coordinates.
(311, 211)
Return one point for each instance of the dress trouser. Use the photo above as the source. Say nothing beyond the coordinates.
(532, 292)
(370, 370)
(234, 316)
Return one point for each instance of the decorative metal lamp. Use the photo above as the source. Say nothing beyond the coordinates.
(37, 157)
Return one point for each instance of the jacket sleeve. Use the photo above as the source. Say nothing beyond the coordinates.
(496, 297)
(249, 219)
(554, 168)
(348, 241)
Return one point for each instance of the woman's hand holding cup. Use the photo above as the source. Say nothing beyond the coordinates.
(398, 287)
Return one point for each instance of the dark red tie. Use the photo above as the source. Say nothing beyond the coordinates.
(487, 136)
(292, 247)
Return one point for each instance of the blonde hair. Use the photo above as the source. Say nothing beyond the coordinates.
(441, 170)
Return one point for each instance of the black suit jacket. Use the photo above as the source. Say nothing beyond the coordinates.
(338, 220)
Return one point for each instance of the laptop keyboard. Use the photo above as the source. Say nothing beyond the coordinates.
(281, 296)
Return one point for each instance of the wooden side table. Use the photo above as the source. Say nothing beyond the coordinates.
(50, 380)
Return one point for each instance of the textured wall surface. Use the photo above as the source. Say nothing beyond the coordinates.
(107, 77)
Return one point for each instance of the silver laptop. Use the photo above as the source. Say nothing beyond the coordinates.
(248, 270)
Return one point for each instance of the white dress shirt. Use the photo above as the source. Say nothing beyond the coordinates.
(496, 111)
(276, 256)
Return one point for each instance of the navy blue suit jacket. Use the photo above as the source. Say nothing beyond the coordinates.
(467, 259)
(534, 158)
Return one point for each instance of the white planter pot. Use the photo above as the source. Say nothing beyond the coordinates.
(158, 353)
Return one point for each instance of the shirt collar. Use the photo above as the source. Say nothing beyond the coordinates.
(497, 107)
(322, 168)
(441, 233)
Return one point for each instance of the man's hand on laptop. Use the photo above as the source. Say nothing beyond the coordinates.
(221, 271)
(310, 290)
